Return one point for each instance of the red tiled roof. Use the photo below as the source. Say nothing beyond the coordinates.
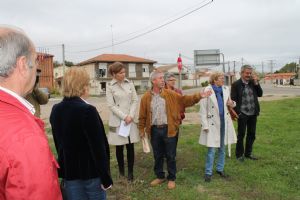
(44, 54)
(280, 76)
(116, 58)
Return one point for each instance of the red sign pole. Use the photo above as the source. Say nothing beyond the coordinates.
(179, 65)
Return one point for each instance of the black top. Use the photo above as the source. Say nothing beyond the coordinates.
(237, 91)
(80, 141)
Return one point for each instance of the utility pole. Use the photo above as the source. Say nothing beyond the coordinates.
(63, 58)
(234, 67)
(242, 61)
(223, 62)
(262, 67)
(271, 66)
(112, 39)
(228, 63)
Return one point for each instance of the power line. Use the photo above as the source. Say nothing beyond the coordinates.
(140, 30)
(147, 32)
(186, 57)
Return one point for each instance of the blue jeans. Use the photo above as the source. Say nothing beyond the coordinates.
(221, 154)
(163, 146)
(89, 189)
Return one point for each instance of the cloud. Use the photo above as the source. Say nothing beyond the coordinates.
(257, 30)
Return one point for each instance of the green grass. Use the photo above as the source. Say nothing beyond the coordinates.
(276, 175)
(195, 108)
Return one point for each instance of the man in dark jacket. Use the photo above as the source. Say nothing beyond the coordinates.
(245, 92)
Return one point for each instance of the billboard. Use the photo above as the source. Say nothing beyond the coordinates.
(207, 57)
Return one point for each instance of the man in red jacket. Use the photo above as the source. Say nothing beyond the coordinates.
(28, 169)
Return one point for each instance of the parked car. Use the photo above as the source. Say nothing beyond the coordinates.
(46, 91)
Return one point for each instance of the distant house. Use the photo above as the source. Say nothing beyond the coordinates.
(45, 64)
(58, 73)
(280, 78)
(230, 77)
(137, 69)
(172, 68)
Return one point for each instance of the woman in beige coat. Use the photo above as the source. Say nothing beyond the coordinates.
(122, 102)
(216, 125)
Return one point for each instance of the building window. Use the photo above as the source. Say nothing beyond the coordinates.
(131, 70)
(102, 72)
(145, 70)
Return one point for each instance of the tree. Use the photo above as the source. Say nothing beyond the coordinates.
(67, 63)
(290, 67)
(56, 63)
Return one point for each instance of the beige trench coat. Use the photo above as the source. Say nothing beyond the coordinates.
(122, 101)
(210, 119)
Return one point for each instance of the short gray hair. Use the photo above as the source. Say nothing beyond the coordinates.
(168, 75)
(13, 44)
(244, 67)
(154, 74)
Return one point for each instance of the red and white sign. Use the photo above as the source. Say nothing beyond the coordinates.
(179, 63)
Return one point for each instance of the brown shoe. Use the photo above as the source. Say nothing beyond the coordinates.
(157, 181)
(171, 185)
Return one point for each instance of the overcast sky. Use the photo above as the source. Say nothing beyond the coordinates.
(255, 30)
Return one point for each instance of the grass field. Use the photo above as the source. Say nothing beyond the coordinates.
(276, 175)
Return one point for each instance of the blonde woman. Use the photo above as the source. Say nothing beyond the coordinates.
(122, 101)
(216, 125)
(80, 140)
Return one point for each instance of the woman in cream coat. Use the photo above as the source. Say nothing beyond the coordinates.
(122, 102)
(217, 129)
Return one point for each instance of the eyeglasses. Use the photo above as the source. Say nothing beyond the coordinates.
(172, 80)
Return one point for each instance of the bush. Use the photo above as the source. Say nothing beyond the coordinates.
(204, 84)
(186, 87)
(137, 87)
(55, 92)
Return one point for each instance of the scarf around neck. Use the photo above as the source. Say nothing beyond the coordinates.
(219, 94)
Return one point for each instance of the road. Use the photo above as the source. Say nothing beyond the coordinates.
(270, 93)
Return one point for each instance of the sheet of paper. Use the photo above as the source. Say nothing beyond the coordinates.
(124, 129)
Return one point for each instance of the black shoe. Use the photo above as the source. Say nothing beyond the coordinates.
(222, 174)
(130, 177)
(251, 157)
(241, 159)
(207, 178)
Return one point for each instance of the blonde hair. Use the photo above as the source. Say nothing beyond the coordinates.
(74, 82)
(214, 76)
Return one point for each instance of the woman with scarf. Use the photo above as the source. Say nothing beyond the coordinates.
(216, 124)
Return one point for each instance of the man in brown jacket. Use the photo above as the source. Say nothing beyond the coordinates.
(159, 117)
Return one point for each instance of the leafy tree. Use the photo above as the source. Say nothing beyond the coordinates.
(56, 63)
(67, 63)
(290, 67)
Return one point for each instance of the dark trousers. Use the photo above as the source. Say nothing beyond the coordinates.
(130, 158)
(164, 147)
(249, 123)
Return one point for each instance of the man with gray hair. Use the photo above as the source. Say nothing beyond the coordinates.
(245, 92)
(28, 169)
(159, 117)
